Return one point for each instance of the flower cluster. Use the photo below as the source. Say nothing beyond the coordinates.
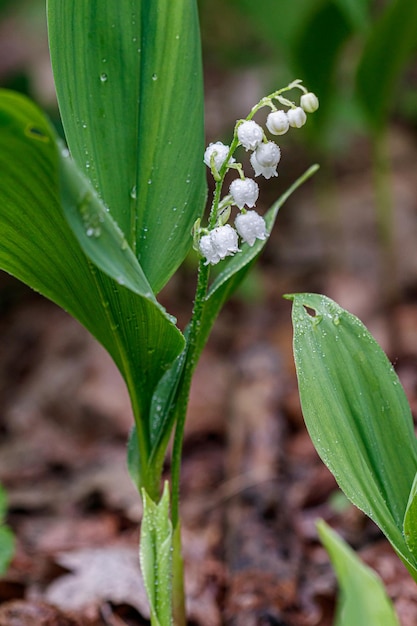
(220, 239)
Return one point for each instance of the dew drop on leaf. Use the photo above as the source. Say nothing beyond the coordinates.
(103, 77)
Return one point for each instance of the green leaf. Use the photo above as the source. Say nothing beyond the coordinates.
(7, 542)
(155, 557)
(38, 247)
(98, 234)
(410, 520)
(356, 412)
(391, 42)
(362, 601)
(3, 504)
(7, 548)
(236, 268)
(129, 83)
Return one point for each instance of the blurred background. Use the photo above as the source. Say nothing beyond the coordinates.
(253, 485)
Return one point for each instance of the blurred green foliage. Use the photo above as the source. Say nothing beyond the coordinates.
(6, 535)
(352, 53)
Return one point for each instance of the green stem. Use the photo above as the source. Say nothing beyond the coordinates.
(178, 595)
(202, 283)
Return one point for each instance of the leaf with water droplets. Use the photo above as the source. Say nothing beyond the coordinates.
(156, 556)
(38, 246)
(136, 120)
(356, 412)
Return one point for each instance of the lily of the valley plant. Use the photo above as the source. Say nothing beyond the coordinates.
(101, 224)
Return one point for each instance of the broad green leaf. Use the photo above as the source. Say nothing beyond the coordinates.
(38, 246)
(129, 83)
(356, 412)
(392, 41)
(155, 555)
(410, 520)
(363, 600)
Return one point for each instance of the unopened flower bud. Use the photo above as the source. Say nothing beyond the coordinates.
(265, 159)
(309, 102)
(250, 134)
(244, 191)
(220, 152)
(277, 122)
(251, 226)
(297, 117)
(219, 243)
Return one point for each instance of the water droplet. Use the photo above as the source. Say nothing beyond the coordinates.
(120, 280)
(91, 221)
(133, 192)
(174, 208)
(154, 77)
(104, 60)
(134, 39)
(103, 77)
(177, 36)
(84, 125)
(150, 181)
(65, 153)
(124, 244)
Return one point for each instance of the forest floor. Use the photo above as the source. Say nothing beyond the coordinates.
(252, 483)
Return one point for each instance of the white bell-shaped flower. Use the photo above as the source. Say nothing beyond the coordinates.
(219, 243)
(265, 159)
(309, 102)
(244, 191)
(220, 152)
(297, 117)
(251, 226)
(250, 134)
(277, 122)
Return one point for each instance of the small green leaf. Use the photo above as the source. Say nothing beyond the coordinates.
(7, 541)
(129, 82)
(410, 520)
(7, 548)
(3, 504)
(392, 41)
(356, 412)
(235, 269)
(97, 233)
(363, 600)
(155, 557)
